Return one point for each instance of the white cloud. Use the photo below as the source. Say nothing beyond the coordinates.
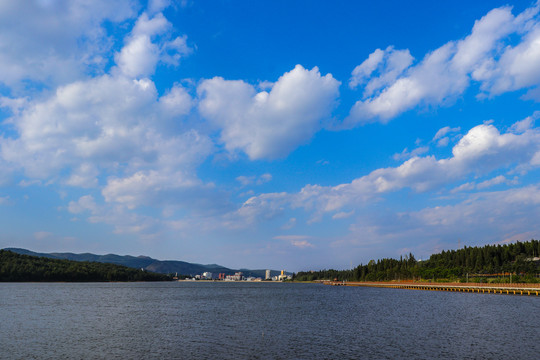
(440, 137)
(443, 142)
(115, 129)
(26, 183)
(250, 180)
(156, 188)
(532, 94)
(84, 176)
(430, 81)
(517, 67)
(104, 122)
(342, 215)
(481, 218)
(406, 154)
(123, 222)
(486, 149)
(170, 180)
(299, 241)
(118, 128)
(525, 124)
(245, 180)
(390, 64)
(42, 235)
(492, 182)
(172, 51)
(15, 105)
(365, 69)
(269, 125)
(482, 150)
(445, 130)
(85, 203)
(155, 6)
(264, 206)
(56, 41)
(464, 187)
(289, 225)
(176, 102)
(501, 179)
(100, 119)
(446, 72)
(503, 209)
(139, 56)
(264, 178)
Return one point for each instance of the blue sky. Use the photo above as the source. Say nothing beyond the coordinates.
(268, 134)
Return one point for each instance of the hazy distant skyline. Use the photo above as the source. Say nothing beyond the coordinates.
(268, 134)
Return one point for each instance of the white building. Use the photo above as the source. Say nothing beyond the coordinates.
(238, 276)
(207, 275)
(268, 277)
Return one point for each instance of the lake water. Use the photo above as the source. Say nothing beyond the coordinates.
(195, 320)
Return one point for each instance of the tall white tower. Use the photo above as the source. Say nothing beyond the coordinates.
(267, 277)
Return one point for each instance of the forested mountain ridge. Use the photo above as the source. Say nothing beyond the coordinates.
(521, 259)
(148, 263)
(17, 267)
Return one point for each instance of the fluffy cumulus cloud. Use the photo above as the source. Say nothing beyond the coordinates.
(140, 54)
(269, 124)
(106, 121)
(478, 153)
(55, 42)
(117, 126)
(112, 132)
(517, 66)
(171, 182)
(487, 55)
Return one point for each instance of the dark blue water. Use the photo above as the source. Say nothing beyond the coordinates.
(261, 321)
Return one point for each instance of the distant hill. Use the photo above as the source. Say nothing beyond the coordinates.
(19, 268)
(147, 263)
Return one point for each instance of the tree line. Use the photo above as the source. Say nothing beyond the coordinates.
(16, 267)
(478, 263)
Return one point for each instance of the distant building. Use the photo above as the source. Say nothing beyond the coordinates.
(268, 276)
(207, 275)
(284, 276)
(221, 276)
(238, 276)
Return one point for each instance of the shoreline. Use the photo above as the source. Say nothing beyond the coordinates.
(507, 289)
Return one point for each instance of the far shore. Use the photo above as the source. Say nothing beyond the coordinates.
(422, 283)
